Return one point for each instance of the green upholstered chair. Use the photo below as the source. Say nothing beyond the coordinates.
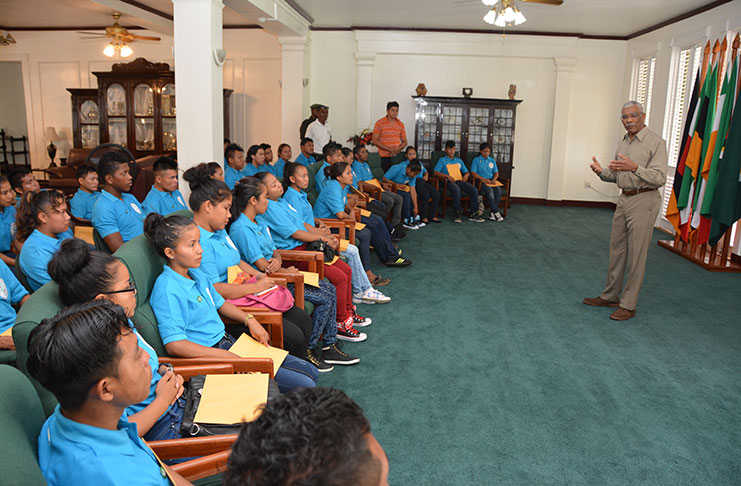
(21, 419)
(21, 275)
(400, 157)
(100, 243)
(311, 192)
(7, 356)
(374, 162)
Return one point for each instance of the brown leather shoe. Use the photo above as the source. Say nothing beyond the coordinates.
(600, 302)
(622, 314)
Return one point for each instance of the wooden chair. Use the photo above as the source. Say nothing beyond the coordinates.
(436, 182)
(504, 201)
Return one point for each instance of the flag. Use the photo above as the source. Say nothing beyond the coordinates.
(698, 148)
(672, 213)
(709, 175)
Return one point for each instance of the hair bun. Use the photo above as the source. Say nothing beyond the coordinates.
(197, 175)
(73, 256)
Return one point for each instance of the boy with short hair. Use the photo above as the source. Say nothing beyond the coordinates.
(457, 186)
(164, 197)
(22, 181)
(88, 440)
(484, 168)
(307, 152)
(82, 203)
(406, 173)
(332, 154)
(235, 169)
(8, 243)
(268, 151)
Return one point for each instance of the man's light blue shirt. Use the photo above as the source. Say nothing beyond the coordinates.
(485, 167)
(11, 292)
(163, 202)
(82, 203)
(113, 215)
(35, 254)
(252, 238)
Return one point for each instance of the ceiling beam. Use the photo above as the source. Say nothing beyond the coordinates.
(277, 16)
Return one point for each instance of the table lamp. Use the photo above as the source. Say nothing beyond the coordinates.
(51, 135)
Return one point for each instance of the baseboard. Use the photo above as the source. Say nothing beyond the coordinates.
(565, 202)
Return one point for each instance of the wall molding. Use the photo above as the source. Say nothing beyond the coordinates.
(539, 201)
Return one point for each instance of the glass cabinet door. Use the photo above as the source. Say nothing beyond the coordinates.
(502, 135)
(168, 100)
(89, 129)
(478, 128)
(144, 117)
(116, 110)
(452, 125)
(167, 109)
(427, 116)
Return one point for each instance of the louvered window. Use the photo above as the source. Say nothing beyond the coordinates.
(643, 82)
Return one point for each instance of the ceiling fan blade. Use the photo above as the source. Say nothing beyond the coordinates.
(91, 33)
(545, 2)
(144, 37)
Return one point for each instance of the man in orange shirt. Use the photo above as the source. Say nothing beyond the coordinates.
(389, 135)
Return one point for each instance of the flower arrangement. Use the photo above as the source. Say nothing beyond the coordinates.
(363, 138)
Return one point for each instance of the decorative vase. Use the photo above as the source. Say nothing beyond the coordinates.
(512, 91)
(421, 89)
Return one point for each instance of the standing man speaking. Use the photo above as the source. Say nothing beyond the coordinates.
(389, 135)
(639, 169)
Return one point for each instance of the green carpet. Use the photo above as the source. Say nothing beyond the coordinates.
(486, 368)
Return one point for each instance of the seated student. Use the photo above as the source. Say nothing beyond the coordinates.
(187, 305)
(484, 168)
(455, 187)
(117, 215)
(289, 233)
(42, 223)
(390, 199)
(255, 161)
(8, 243)
(82, 203)
(332, 153)
(313, 437)
(284, 157)
(22, 180)
(210, 201)
(11, 293)
(268, 151)
(297, 179)
(257, 247)
(425, 192)
(373, 205)
(235, 167)
(332, 203)
(215, 171)
(88, 439)
(406, 173)
(306, 157)
(164, 196)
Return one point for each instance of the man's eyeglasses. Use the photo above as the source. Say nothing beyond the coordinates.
(129, 288)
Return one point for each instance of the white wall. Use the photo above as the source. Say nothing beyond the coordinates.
(54, 61)
(12, 104)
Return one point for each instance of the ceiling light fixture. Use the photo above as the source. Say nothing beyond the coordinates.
(489, 3)
(504, 14)
(117, 46)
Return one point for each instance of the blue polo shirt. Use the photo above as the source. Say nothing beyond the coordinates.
(331, 201)
(252, 238)
(156, 377)
(11, 292)
(485, 167)
(362, 171)
(442, 164)
(398, 173)
(304, 160)
(35, 254)
(114, 215)
(7, 227)
(320, 180)
(251, 169)
(219, 253)
(163, 202)
(278, 167)
(300, 202)
(82, 203)
(187, 308)
(283, 221)
(73, 454)
(232, 175)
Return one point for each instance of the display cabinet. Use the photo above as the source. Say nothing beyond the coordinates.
(85, 118)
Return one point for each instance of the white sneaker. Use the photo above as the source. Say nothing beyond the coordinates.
(410, 225)
(496, 216)
(373, 296)
(357, 298)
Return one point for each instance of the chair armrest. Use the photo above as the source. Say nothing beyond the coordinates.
(81, 222)
(203, 467)
(192, 446)
(272, 321)
(187, 372)
(239, 365)
(6, 342)
(341, 225)
(370, 189)
(60, 172)
(297, 279)
(315, 259)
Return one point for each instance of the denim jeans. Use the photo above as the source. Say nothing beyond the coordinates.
(168, 425)
(360, 282)
(425, 192)
(492, 195)
(406, 204)
(462, 186)
(380, 238)
(324, 317)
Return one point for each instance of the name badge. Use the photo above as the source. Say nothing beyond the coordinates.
(3, 289)
(136, 208)
(180, 199)
(491, 165)
(231, 243)
(208, 291)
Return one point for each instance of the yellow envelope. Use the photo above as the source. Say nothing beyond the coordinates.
(365, 212)
(455, 171)
(246, 347)
(374, 182)
(85, 233)
(230, 399)
(359, 226)
(496, 184)
(343, 244)
(404, 187)
(310, 278)
(7, 332)
(334, 260)
(232, 273)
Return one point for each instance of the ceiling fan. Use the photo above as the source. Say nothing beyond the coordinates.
(505, 12)
(119, 37)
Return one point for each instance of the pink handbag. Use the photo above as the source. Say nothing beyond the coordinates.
(278, 298)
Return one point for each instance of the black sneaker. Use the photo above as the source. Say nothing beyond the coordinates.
(334, 355)
(457, 217)
(320, 364)
(476, 217)
(398, 262)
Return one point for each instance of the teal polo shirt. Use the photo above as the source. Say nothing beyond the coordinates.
(7, 227)
(362, 170)
(251, 169)
(278, 167)
(442, 165)
(113, 215)
(320, 179)
(163, 202)
(299, 201)
(485, 167)
(304, 160)
(331, 201)
(156, 376)
(232, 175)
(11, 292)
(219, 253)
(82, 203)
(35, 254)
(283, 221)
(75, 454)
(187, 308)
(252, 238)
(398, 173)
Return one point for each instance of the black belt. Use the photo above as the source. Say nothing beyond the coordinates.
(633, 192)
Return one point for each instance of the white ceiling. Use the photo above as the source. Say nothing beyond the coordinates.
(593, 17)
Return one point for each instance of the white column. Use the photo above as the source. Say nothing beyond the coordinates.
(199, 83)
(294, 56)
(364, 100)
(564, 70)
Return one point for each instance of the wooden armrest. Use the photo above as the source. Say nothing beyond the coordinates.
(315, 259)
(203, 467)
(279, 279)
(370, 189)
(6, 342)
(343, 225)
(81, 221)
(188, 372)
(239, 365)
(272, 321)
(192, 446)
(297, 279)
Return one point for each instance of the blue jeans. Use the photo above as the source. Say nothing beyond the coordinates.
(168, 425)
(360, 281)
(406, 204)
(492, 195)
(362, 241)
(324, 317)
(462, 186)
(425, 192)
(380, 238)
